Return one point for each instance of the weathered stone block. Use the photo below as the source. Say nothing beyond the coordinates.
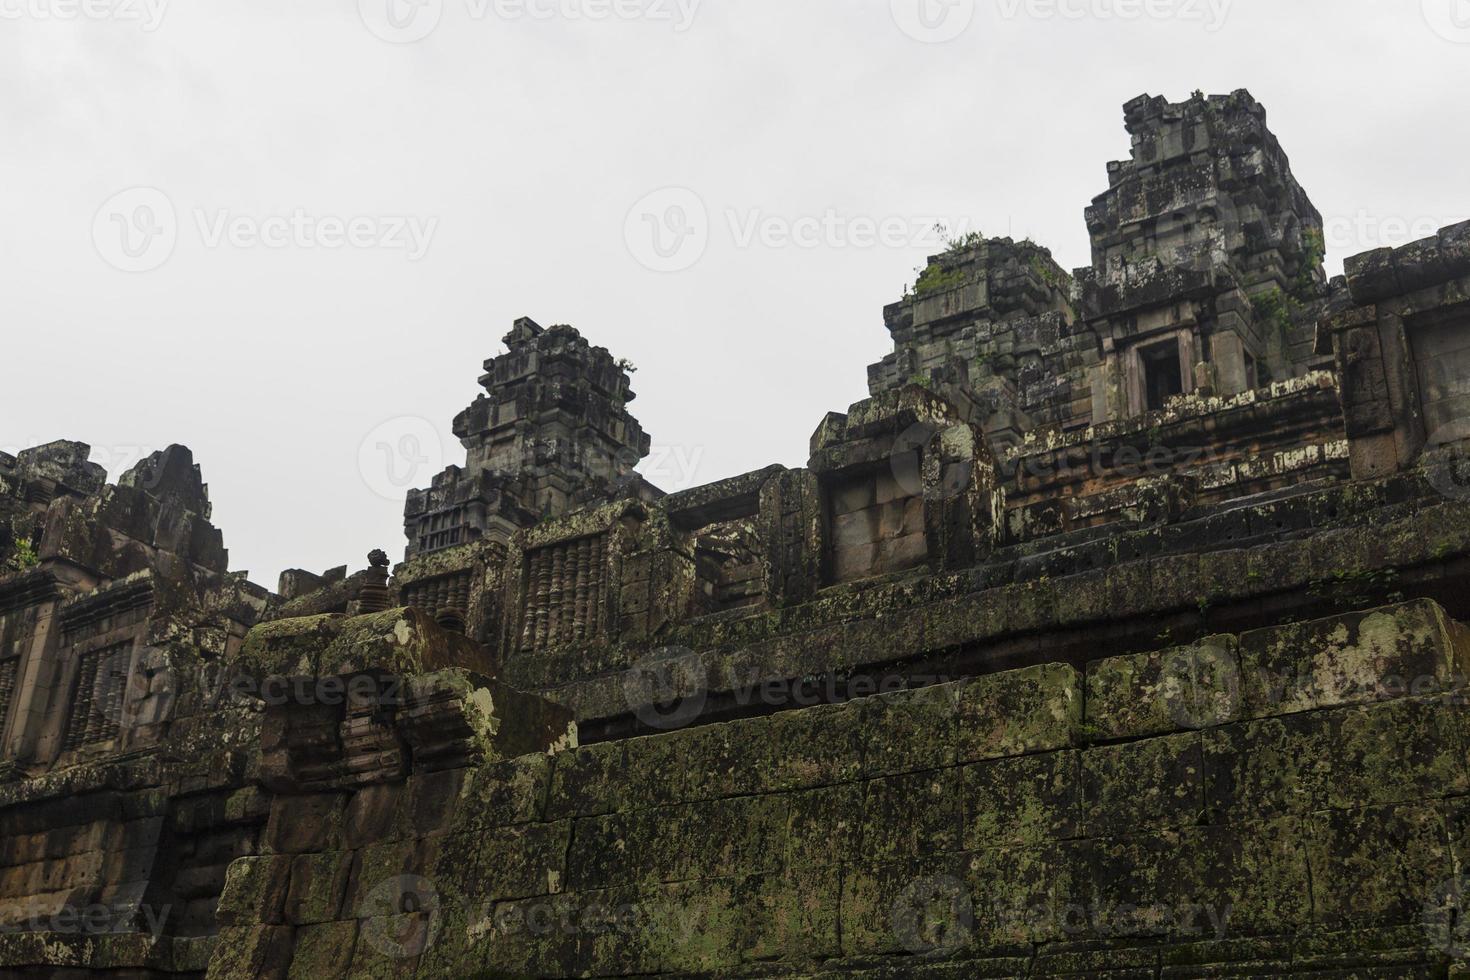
(512, 862)
(526, 937)
(433, 800)
(318, 887)
(324, 950)
(588, 781)
(1019, 712)
(1406, 650)
(733, 759)
(1376, 866)
(817, 746)
(825, 826)
(793, 918)
(1136, 886)
(378, 867)
(255, 890)
(299, 824)
(1247, 879)
(698, 926)
(603, 849)
(1023, 895)
(1393, 752)
(390, 945)
(251, 953)
(1021, 802)
(1183, 688)
(923, 906)
(1156, 782)
(374, 815)
(655, 769)
(910, 731)
(911, 816)
(730, 837)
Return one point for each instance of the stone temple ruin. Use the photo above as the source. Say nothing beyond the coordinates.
(1117, 634)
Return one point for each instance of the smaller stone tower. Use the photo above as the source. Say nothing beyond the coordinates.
(551, 434)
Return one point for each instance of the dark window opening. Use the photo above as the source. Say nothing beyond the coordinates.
(1161, 377)
(1252, 377)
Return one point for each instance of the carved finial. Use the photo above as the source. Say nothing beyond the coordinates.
(373, 596)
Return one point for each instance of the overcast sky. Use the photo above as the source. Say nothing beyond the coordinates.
(287, 234)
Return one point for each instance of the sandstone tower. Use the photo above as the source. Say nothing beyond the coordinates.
(552, 433)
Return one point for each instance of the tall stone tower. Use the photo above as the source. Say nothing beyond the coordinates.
(1206, 278)
(551, 434)
(1206, 257)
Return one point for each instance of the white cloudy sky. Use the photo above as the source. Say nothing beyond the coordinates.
(524, 142)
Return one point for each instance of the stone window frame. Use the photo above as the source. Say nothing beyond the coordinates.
(832, 482)
(1416, 326)
(101, 645)
(1134, 380)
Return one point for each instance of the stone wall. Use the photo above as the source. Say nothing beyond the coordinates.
(1286, 800)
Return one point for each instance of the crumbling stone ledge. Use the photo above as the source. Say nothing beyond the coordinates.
(938, 626)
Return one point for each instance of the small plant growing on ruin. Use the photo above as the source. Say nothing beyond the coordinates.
(1305, 283)
(954, 244)
(25, 557)
(627, 366)
(1275, 309)
(933, 279)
